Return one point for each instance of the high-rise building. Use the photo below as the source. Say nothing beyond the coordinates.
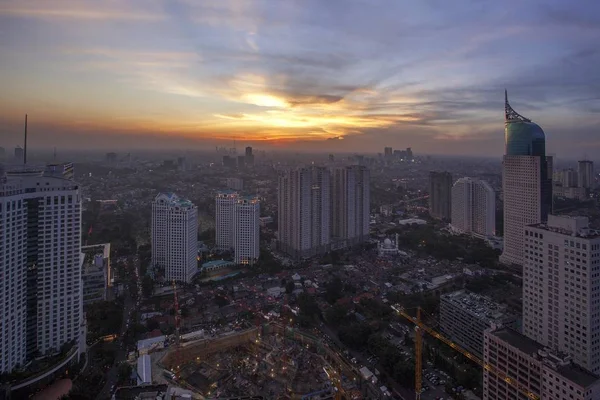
(586, 174)
(560, 285)
(249, 157)
(174, 237)
(246, 230)
(539, 372)
(40, 266)
(304, 211)
(409, 154)
(569, 178)
(229, 162)
(95, 272)
(527, 189)
(473, 207)
(350, 204)
(19, 154)
(225, 201)
(387, 152)
(111, 157)
(440, 194)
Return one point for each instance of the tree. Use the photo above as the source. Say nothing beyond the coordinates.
(124, 372)
(335, 314)
(289, 287)
(147, 286)
(334, 290)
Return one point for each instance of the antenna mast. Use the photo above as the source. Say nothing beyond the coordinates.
(25, 143)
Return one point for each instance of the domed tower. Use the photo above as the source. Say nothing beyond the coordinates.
(526, 181)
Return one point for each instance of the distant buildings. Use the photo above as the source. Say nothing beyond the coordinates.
(473, 207)
(465, 316)
(174, 237)
(246, 230)
(304, 215)
(235, 184)
(559, 306)
(440, 194)
(398, 155)
(225, 201)
(387, 152)
(95, 272)
(585, 170)
(41, 285)
(111, 157)
(350, 204)
(249, 157)
(526, 182)
(544, 373)
(19, 154)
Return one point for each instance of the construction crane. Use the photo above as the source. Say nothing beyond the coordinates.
(421, 327)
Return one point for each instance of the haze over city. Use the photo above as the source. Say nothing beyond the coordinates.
(302, 75)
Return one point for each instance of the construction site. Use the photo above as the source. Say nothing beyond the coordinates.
(271, 361)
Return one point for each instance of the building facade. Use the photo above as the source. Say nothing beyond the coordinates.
(95, 273)
(561, 280)
(527, 369)
(304, 218)
(236, 184)
(585, 169)
(440, 194)
(350, 204)
(174, 237)
(526, 183)
(473, 207)
(465, 316)
(225, 202)
(40, 264)
(246, 230)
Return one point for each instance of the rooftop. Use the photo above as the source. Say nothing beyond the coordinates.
(479, 306)
(569, 226)
(174, 200)
(570, 371)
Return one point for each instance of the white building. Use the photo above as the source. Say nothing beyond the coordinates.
(473, 207)
(40, 266)
(561, 282)
(523, 363)
(225, 202)
(526, 182)
(304, 217)
(246, 230)
(350, 204)
(174, 237)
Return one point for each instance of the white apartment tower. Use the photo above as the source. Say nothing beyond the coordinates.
(225, 202)
(527, 188)
(350, 204)
(561, 282)
(585, 169)
(304, 211)
(174, 237)
(473, 207)
(40, 266)
(246, 230)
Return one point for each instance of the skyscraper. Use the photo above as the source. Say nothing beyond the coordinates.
(440, 194)
(560, 285)
(473, 207)
(525, 181)
(304, 211)
(387, 152)
(350, 204)
(19, 154)
(225, 202)
(40, 284)
(246, 230)
(174, 237)
(249, 157)
(586, 174)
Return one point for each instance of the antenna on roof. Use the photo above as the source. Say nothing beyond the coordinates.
(25, 143)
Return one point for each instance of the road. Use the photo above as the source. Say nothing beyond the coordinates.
(121, 354)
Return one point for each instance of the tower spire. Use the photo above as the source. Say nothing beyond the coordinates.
(511, 115)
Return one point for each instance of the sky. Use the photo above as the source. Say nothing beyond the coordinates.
(315, 75)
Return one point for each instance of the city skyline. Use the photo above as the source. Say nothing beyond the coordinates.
(297, 74)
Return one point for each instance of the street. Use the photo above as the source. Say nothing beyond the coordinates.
(121, 353)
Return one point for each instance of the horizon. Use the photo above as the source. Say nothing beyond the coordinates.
(338, 76)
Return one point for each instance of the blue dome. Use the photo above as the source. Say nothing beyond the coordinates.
(524, 138)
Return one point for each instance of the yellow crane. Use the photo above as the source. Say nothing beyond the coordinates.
(421, 327)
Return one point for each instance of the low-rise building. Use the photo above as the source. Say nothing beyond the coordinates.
(95, 272)
(521, 368)
(465, 316)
